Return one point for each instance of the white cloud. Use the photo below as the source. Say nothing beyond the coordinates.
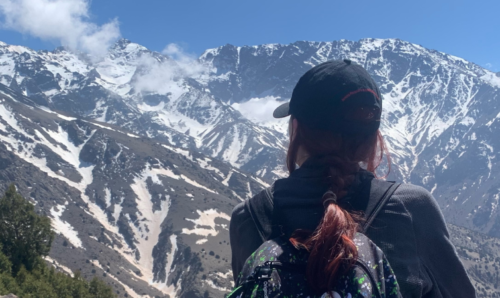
(185, 64)
(157, 77)
(489, 65)
(66, 21)
(166, 76)
(259, 110)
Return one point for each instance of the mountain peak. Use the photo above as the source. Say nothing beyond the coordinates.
(121, 44)
(126, 46)
(60, 49)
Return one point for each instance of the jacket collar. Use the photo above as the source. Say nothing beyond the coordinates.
(311, 168)
(314, 169)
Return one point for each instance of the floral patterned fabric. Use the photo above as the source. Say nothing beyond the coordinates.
(277, 269)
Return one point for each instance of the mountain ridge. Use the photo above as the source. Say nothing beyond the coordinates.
(434, 106)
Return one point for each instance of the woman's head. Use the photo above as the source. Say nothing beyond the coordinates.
(335, 109)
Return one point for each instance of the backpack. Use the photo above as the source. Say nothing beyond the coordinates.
(277, 268)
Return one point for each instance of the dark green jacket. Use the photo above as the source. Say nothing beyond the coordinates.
(410, 230)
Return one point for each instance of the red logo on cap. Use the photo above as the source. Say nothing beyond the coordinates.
(361, 90)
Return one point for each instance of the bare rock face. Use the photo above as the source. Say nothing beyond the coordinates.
(149, 218)
(9, 296)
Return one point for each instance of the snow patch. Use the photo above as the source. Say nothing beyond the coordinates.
(196, 184)
(107, 197)
(63, 227)
(171, 289)
(225, 181)
(147, 229)
(66, 118)
(211, 284)
(206, 219)
(59, 266)
(493, 120)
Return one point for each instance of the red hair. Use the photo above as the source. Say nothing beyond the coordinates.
(331, 248)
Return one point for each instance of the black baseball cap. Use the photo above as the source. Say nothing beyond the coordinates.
(336, 95)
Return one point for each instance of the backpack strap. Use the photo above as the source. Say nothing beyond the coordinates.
(380, 193)
(260, 208)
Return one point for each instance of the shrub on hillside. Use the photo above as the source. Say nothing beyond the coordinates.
(25, 237)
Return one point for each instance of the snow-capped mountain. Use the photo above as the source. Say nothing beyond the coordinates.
(149, 218)
(147, 93)
(146, 155)
(440, 112)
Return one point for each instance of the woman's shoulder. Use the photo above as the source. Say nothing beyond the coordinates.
(240, 218)
(420, 205)
(408, 189)
(239, 210)
(414, 196)
(260, 202)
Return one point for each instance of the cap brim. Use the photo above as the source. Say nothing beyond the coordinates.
(282, 111)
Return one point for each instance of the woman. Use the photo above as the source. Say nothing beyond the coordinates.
(335, 140)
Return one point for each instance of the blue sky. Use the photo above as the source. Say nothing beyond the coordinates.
(468, 29)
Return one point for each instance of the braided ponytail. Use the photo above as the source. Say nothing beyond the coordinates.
(331, 248)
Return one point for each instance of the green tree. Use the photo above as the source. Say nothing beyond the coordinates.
(99, 289)
(7, 282)
(8, 285)
(25, 235)
(25, 238)
(5, 264)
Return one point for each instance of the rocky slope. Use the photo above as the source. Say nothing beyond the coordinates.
(481, 256)
(150, 218)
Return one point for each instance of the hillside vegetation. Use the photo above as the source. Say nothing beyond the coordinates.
(25, 238)
(480, 255)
